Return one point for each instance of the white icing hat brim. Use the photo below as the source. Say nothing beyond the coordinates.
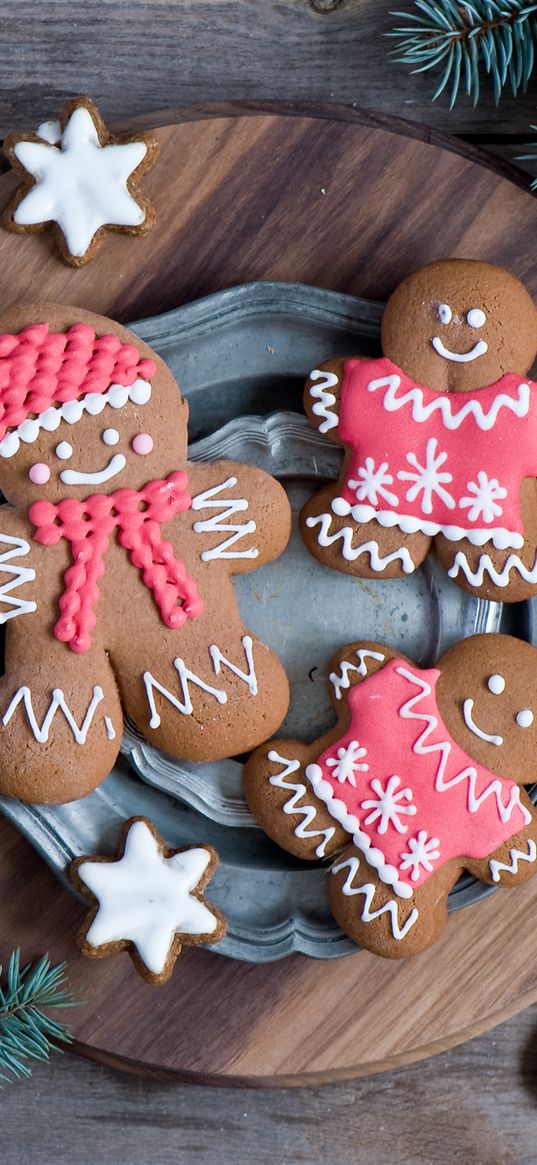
(71, 411)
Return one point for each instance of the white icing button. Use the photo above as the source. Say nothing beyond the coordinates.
(476, 317)
(64, 450)
(110, 436)
(117, 396)
(29, 431)
(341, 507)
(72, 411)
(9, 445)
(140, 392)
(496, 684)
(50, 419)
(94, 403)
(524, 718)
(445, 313)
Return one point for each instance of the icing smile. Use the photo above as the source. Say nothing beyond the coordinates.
(115, 466)
(478, 349)
(471, 724)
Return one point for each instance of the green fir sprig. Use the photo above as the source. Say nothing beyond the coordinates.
(26, 1031)
(466, 37)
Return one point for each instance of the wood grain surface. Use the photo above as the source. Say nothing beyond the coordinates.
(475, 1105)
(283, 197)
(137, 56)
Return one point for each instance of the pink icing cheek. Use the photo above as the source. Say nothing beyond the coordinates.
(39, 473)
(142, 443)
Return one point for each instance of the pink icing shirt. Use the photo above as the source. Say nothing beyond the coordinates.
(407, 792)
(423, 460)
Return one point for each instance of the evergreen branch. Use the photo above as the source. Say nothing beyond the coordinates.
(26, 1032)
(463, 37)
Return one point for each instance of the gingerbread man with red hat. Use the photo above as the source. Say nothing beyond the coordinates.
(117, 558)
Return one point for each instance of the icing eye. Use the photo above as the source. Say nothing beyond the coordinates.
(64, 450)
(110, 436)
(445, 314)
(496, 684)
(142, 443)
(476, 317)
(39, 473)
(524, 718)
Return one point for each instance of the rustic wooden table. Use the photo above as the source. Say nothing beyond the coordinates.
(476, 1103)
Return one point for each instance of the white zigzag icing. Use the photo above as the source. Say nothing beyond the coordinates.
(341, 682)
(217, 522)
(499, 578)
(325, 399)
(516, 856)
(469, 774)
(308, 812)
(444, 404)
(20, 575)
(41, 734)
(350, 552)
(368, 890)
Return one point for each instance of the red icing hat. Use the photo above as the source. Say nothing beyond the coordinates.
(49, 376)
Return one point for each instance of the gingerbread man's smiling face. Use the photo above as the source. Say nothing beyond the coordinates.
(487, 697)
(112, 437)
(458, 325)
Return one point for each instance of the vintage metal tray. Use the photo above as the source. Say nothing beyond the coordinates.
(240, 352)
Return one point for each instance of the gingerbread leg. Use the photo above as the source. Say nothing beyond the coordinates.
(376, 918)
(501, 575)
(367, 549)
(283, 802)
(63, 710)
(206, 691)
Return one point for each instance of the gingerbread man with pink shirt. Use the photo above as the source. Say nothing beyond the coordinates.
(440, 437)
(419, 780)
(116, 563)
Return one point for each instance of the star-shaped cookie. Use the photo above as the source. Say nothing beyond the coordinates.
(80, 180)
(147, 900)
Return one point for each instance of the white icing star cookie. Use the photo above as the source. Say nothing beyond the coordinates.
(79, 179)
(147, 900)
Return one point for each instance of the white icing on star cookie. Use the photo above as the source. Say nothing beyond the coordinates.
(148, 897)
(80, 183)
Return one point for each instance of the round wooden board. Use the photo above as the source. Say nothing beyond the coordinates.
(345, 201)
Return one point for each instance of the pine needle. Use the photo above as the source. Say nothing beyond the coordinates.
(26, 1031)
(465, 38)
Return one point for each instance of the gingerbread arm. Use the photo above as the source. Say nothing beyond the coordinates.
(283, 802)
(322, 393)
(355, 663)
(240, 515)
(17, 566)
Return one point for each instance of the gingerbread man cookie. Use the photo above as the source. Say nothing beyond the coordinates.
(419, 780)
(116, 563)
(440, 437)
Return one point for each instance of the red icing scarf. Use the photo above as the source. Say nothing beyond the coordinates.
(87, 526)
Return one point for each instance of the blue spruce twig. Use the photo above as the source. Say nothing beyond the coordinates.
(463, 37)
(26, 1031)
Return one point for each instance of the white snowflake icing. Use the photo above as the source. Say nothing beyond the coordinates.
(428, 479)
(348, 762)
(422, 851)
(373, 483)
(484, 503)
(388, 805)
